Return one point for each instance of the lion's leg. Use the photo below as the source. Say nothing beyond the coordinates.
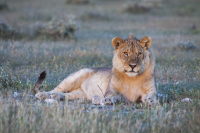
(69, 84)
(149, 98)
(110, 96)
(75, 94)
(72, 95)
(74, 81)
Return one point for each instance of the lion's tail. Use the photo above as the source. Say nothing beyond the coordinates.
(39, 81)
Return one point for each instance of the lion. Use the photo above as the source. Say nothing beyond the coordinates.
(131, 76)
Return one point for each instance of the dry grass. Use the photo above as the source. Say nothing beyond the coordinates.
(30, 116)
(177, 69)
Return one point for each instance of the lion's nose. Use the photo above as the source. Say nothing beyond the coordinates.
(132, 66)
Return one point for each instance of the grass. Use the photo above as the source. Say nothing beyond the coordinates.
(177, 70)
(31, 116)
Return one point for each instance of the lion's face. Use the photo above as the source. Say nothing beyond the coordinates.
(131, 56)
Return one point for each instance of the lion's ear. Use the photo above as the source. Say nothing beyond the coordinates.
(145, 42)
(116, 42)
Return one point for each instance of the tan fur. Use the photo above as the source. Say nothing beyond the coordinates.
(131, 76)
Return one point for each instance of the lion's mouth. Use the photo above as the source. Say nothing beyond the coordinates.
(132, 74)
(132, 71)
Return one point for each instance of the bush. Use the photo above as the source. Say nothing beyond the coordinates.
(187, 45)
(3, 6)
(136, 8)
(6, 32)
(57, 29)
(95, 15)
(78, 1)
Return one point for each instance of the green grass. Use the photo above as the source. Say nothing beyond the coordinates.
(177, 71)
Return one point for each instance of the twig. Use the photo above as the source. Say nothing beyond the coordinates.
(101, 91)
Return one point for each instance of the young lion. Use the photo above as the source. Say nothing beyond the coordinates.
(132, 76)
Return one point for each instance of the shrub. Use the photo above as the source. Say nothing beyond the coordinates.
(57, 29)
(187, 45)
(6, 32)
(3, 6)
(95, 15)
(136, 8)
(78, 1)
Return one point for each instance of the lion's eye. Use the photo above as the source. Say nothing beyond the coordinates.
(139, 53)
(125, 53)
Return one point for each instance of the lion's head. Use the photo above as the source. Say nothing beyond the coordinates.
(131, 56)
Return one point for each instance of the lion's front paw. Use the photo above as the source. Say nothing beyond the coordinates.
(102, 101)
(42, 95)
(57, 96)
(107, 100)
(150, 100)
(96, 99)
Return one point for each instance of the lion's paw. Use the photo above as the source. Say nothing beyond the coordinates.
(102, 101)
(96, 99)
(107, 100)
(57, 96)
(42, 95)
(150, 100)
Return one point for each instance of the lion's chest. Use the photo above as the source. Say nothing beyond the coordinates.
(130, 89)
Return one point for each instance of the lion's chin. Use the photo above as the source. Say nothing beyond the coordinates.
(131, 74)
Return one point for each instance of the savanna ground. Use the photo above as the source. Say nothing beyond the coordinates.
(173, 27)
